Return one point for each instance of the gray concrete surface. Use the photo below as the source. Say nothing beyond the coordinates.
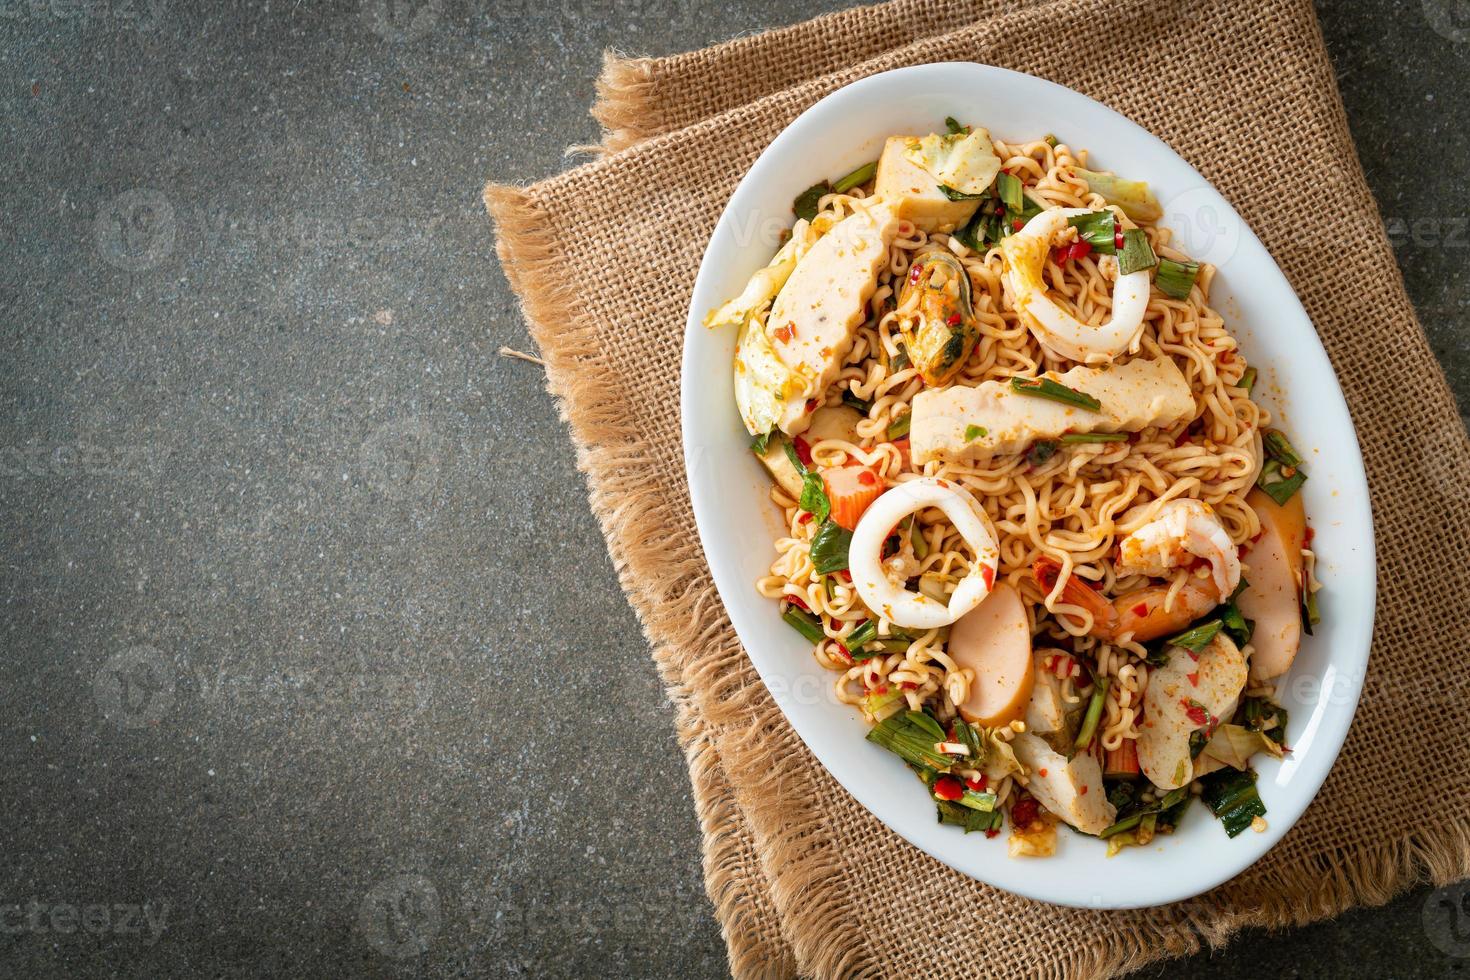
(314, 663)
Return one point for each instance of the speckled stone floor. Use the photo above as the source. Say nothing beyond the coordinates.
(314, 662)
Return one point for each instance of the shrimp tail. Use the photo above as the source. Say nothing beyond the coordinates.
(1075, 592)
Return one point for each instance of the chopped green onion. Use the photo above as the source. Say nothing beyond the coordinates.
(1137, 253)
(1076, 438)
(927, 722)
(1133, 196)
(910, 740)
(858, 177)
(1094, 713)
(955, 195)
(901, 359)
(853, 401)
(1196, 638)
(865, 633)
(1310, 616)
(1247, 380)
(884, 705)
(1278, 448)
(884, 644)
(1176, 279)
(803, 622)
(1041, 451)
(971, 820)
(1275, 482)
(1231, 795)
(917, 539)
(1049, 140)
(1056, 391)
(1009, 188)
(1170, 800)
(1255, 711)
(829, 548)
(984, 802)
(973, 432)
(971, 739)
(954, 127)
(899, 427)
(759, 443)
(806, 202)
(1098, 229)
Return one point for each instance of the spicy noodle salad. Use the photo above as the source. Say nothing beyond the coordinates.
(1035, 525)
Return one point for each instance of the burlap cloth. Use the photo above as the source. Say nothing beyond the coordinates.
(603, 258)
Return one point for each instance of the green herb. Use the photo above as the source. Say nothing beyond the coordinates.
(1256, 712)
(1196, 638)
(1094, 713)
(1137, 253)
(1041, 451)
(973, 432)
(853, 401)
(970, 738)
(954, 127)
(857, 178)
(759, 443)
(929, 723)
(899, 427)
(1198, 739)
(1076, 438)
(955, 195)
(814, 496)
(1247, 380)
(829, 548)
(1055, 391)
(803, 622)
(882, 645)
(984, 802)
(806, 202)
(1176, 279)
(1010, 190)
(1280, 482)
(1236, 625)
(972, 820)
(1231, 795)
(795, 459)
(1098, 229)
(1170, 800)
(907, 736)
(901, 359)
(1050, 140)
(972, 233)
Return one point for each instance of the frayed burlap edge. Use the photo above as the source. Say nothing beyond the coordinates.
(625, 106)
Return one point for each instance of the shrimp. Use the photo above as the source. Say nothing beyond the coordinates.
(1184, 530)
(1025, 253)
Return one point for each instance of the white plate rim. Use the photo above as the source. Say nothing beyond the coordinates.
(1138, 877)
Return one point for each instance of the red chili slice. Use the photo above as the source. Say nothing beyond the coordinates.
(978, 785)
(948, 788)
(803, 450)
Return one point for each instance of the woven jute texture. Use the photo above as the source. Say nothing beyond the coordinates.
(603, 258)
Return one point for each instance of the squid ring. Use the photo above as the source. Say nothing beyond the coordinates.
(1057, 330)
(894, 602)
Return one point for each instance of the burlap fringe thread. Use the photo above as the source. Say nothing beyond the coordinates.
(725, 718)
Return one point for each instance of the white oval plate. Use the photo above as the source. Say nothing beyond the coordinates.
(738, 523)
